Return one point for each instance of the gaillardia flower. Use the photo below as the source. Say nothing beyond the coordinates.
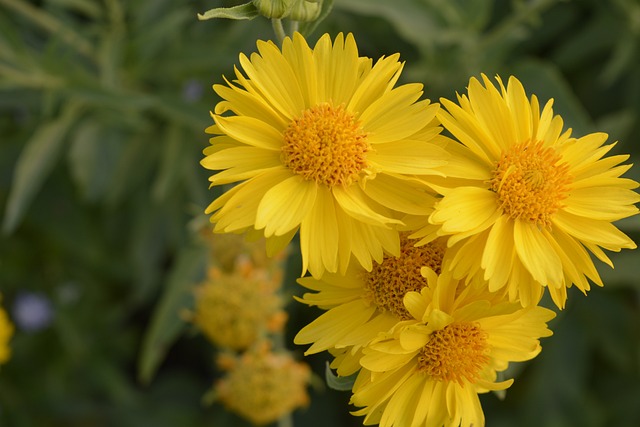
(428, 371)
(534, 199)
(236, 309)
(262, 385)
(362, 304)
(322, 142)
(6, 332)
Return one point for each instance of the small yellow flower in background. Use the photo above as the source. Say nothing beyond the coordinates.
(533, 199)
(362, 304)
(428, 371)
(236, 309)
(322, 142)
(262, 385)
(229, 251)
(6, 332)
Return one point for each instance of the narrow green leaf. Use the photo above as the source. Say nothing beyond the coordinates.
(34, 165)
(339, 383)
(166, 322)
(243, 11)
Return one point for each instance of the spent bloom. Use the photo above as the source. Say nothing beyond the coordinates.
(321, 142)
(532, 201)
(262, 385)
(427, 371)
(236, 309)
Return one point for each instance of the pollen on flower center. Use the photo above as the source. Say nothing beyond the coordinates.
(456, 352)
(530, 182)
(326, 144)
(388, 282)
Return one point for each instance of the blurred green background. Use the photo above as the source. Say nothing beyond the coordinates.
(103, 105)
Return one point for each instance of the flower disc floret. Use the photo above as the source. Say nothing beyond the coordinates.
(362, 304)
(388, 282)
(458, 352)
(326, 145)
(531, 182)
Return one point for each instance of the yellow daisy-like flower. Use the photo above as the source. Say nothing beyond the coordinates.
(428, 371)
(323, 143)
(362, 304)
(6, 332)
(234, 310)
(534, 199)
(263, 386)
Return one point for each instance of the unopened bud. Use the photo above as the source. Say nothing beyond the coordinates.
(273, 9)
(305, 10)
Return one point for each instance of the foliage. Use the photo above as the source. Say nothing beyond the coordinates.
(103, 107)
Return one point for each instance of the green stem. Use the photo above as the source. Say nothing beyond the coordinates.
(293, 26)
(278, 29)
(52, 25)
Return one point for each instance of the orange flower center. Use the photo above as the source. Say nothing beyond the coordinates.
(326, 144)
(456, 352)
(387, 283)
(531, 182)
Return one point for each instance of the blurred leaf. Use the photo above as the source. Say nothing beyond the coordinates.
(625, 271)
(624, 53)
(171, 162)
(89, 8)
(166, 322)
(93, 157)
(411, 18)
(544, 80)
(243, 11)
(339, 383)
(37, 159)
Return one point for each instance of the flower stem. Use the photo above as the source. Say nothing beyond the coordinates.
(278, 29)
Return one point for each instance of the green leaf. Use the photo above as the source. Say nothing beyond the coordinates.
(413, 19)
(339, 383)
(173, 158)
(544, 80)
(34, 165)
(93, 157)
(243, 11)
(166, 322)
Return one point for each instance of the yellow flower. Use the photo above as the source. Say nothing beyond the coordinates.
(362, 304)
(230, 251)
(322, 142)
(235, 309)
(534, 199)
(6, 332)
(428, 371)
(262, 386)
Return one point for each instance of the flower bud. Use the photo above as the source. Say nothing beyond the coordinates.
(305, 10)
(273, 9)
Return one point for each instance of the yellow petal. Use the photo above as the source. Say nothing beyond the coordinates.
(536, 254)
(251, 131)
(285, 205)
(466, 209)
